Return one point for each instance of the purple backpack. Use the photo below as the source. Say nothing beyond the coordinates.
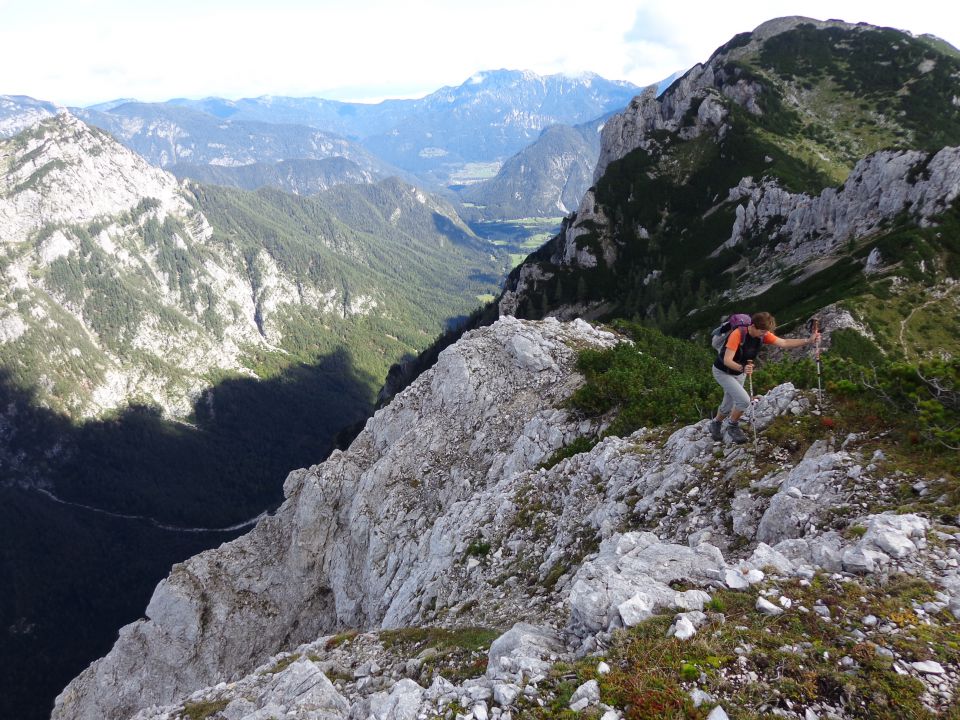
(718, 337)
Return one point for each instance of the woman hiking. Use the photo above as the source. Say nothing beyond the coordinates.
(735, 362)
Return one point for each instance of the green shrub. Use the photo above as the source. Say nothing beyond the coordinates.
(478, 548)
(580, 445)
(655, 381)
(205, 709)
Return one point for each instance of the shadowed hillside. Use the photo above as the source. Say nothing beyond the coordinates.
(72, 576)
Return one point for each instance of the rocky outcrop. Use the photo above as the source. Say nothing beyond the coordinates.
(879, 188)
(366, 539)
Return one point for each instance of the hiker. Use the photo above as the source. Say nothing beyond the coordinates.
(735, 362)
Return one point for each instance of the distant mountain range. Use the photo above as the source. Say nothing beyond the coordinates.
(545, 179)
(492, 115)
(488, 118)
(167, 135)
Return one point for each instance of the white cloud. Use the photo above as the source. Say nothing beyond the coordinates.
(85, 51)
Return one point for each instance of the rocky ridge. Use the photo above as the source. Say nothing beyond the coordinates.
(882, 186)
(65, 173)
(441, 514)
(647, 113)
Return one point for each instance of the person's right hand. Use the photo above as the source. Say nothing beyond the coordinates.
(748, 368)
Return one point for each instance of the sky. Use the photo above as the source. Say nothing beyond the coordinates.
(81, 52)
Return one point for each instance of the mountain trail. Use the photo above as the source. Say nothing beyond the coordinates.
(156, 523)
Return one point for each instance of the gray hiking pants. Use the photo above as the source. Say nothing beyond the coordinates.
(734, 396)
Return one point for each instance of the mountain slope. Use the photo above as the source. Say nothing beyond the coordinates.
(546, 179)
(722, 191)
(119, 286)
(300, 177)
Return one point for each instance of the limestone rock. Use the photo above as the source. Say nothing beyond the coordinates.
(635, 610)
(764, 556)
(718, 713)
(767, 607)
(682, 628)
(638, 562)
(877, 190)
(523, 651)
(815, 477)
(895, 535)
(584, 696)
(371, 535)
(401, 703)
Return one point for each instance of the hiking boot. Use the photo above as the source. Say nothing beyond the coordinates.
(714, 428)
(734, 433)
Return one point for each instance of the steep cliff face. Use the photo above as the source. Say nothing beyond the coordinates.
(86, 225)
(438, 515)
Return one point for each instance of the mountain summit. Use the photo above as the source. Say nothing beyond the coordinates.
(803, 164)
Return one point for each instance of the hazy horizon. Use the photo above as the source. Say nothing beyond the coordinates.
(97, 51)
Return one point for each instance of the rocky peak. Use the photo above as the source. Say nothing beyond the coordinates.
(65, 172)
(707, 82)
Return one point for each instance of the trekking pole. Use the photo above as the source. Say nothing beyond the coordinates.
(753, 423)
(815, 328)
